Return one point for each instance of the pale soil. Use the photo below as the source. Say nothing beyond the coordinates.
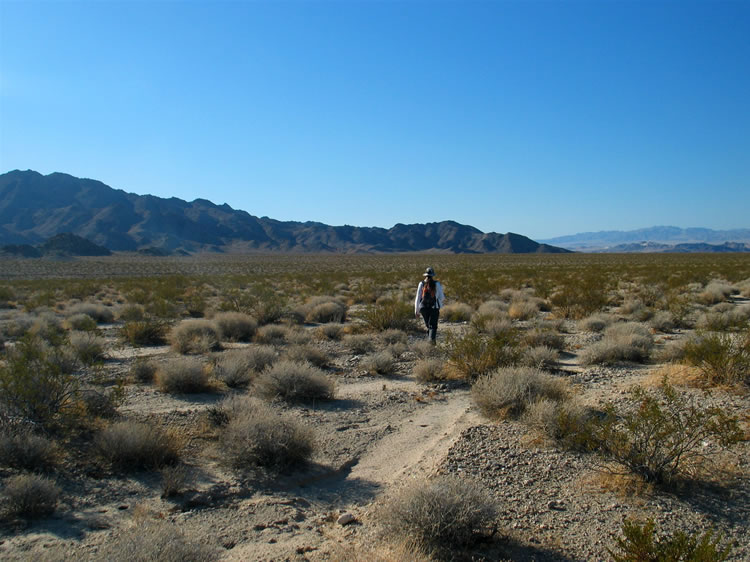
(379, 435)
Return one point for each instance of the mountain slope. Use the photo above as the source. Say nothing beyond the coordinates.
(34, 208)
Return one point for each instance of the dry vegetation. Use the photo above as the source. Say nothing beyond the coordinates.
(277, 387)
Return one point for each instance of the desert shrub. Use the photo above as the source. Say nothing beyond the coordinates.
(661, 435)
(330, 331)
(523, 309)
(721, 358)
(429, 370)
(156, 540)
(628, 341)
(397, 349)
(325, 309)
(663, 321)
(257, 437)
(275, 334)
(129, 445)
(493, 308)
(143, 370)
(565, 422)
(30, 496)
(425, 350)
(27, 450)
(33, 384)
(88, 347)
(717, 291)
(636, 310)
(236, 367)
(597, 322)
(131, 313)
(182, 376)
(47, 327)
(144, 332)
(641, 543)
(101, 403)
(98, 312)
(235, 326)
(538, 336)
(441, 514)
(456, 312)
(507, 392)
(379, 363)
(359, 343)
(724, 320)
(540, 357)
(174, 480)
(672, 351)
(474, 354)
(308, 353)
(390, 314)
(195, 335)
(393, 337)
(17, 325)
(293, 381)
(581, 297)
(82, 322)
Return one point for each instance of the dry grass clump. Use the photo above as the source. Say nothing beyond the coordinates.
(540, 357)
(564, 422)
(325, 309)
(393, 337)
(474, 354)
(539, 336)
(27, 450)
(523, 309)
(196, 335)
(717, 291)
(389, 314)
(663, 321)
(597, 322)
(359, 343)
(144, 332)
(425, 350)
(98, 312)
(635, 309)
(379, 363)
(182, 376)
(441, 515)
(330, 331)
(17, 325)
(235, 326)
(131, 313)
(82, 322)
(628, 341)
(129, 445)
(456, 312)
(493, 308)
(238, 367)
(721, 358)
(29, 496)
(273, 334)
(429, 370)
(174, 480)
(507, 392)
(256, 436)
(143, 370)
(294, 381)
(312, 355)
(47, 327)
(88, 347)
(723, 320)
(156, 540)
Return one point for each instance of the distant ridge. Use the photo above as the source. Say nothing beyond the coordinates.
(34, 208)
(656, 238)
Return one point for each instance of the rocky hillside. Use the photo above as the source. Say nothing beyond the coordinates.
(34, 207)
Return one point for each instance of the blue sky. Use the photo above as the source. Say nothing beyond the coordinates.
(543, 118)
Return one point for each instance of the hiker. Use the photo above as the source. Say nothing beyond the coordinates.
(429, 300)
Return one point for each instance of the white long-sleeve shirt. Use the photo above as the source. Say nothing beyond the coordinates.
(439, 295)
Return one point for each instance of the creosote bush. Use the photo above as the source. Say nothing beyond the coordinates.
(235, 326)
(441, 515)
(640, 543)
(661, 435)
(129, 445)
(195, 336)
(474, 354)
(256, 436)
(29, 496)
(509, 391)
(294, 381)
(721, 358)
(183, 376)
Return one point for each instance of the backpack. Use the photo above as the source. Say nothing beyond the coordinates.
(428, 298)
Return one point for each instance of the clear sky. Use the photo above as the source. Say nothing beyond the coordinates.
(543, 118)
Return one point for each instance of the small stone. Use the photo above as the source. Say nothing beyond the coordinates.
(345, 519)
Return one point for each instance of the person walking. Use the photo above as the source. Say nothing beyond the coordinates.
(429, 301)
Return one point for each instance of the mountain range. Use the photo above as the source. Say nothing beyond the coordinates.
(36, 207)
(656, 239)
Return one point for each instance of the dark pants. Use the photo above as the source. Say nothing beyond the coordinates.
(431, 316)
